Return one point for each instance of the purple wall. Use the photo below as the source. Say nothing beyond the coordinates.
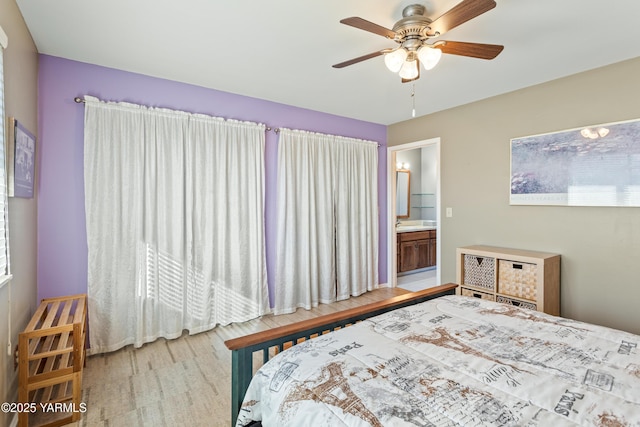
(62, 246)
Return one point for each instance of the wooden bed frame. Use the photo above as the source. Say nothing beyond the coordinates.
(277, 339)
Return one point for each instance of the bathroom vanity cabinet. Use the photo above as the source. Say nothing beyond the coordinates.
(416, 250)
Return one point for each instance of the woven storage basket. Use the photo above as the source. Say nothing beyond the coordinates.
(517, 279)
(477, 294)
(479, 271)
(523, 304)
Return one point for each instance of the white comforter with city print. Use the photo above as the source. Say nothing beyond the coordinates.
(453, 361)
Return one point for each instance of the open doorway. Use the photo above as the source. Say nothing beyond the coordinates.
(422, 212)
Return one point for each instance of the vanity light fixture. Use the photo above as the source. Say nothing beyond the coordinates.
(402, 166)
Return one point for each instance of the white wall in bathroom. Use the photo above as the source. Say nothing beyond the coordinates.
(428, 177)
(424, 168)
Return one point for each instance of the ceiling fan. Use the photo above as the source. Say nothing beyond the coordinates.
(415, 30)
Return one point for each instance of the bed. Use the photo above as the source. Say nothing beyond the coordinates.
(451, 361)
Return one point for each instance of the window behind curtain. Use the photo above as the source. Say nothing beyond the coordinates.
(4, 258)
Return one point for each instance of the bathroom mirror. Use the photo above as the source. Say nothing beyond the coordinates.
(403, 178)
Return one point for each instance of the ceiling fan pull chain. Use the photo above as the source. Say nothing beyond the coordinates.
(413, 99)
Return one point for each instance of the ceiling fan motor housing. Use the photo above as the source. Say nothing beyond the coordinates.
(413, 26)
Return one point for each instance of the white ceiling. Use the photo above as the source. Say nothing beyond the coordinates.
(282, 50)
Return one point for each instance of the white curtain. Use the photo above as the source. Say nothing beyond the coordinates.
(327, 209)
(174, 211)
(356, 213)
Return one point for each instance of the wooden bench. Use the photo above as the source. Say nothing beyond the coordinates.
(51, 355)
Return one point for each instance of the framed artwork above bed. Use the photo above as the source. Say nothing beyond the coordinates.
(596, 165)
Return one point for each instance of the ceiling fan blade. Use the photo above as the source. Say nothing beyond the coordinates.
(359, 59)
(459, 14)
(475, 50)
(363, 24)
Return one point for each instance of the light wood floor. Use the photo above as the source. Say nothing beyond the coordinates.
(181, 382)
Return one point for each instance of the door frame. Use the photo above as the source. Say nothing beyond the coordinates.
(392, 268)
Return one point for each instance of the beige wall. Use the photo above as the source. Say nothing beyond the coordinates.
(20, 71)
(600, 247)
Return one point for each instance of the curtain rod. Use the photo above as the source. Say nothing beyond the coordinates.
(79, 100)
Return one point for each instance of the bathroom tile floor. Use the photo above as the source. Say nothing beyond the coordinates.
(418, 281)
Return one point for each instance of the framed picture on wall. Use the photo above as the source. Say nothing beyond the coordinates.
(595, 165)
(21, 159)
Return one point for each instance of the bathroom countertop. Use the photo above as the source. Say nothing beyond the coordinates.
(409, 228)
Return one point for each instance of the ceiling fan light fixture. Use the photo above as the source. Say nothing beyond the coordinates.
(409, 70)
(395, 59)
(429, 56)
